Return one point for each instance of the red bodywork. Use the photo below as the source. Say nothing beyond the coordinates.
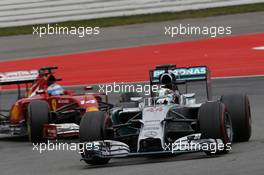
(18, 111)
(38, 91)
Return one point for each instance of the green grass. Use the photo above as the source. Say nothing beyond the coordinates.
(125, 20)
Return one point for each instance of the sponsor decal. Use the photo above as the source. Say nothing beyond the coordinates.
(62, 101)
(152, 121)
(88, 101)
(182, 71)
(154, 109)
(18, 76)
(150, 134)
(151, 128)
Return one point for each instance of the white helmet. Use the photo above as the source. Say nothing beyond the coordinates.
(164, 91)
(165, 95)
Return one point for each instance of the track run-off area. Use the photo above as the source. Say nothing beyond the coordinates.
(229, 56)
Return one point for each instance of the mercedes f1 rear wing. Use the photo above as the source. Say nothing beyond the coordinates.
(170, 74)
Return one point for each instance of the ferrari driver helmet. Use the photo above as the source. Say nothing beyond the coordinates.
(55, 89)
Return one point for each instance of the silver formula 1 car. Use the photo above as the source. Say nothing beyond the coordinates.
(168, 122)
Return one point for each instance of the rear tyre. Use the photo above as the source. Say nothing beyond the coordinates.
(93, 128)
(38, 115)
(238, 108)
(215, 123)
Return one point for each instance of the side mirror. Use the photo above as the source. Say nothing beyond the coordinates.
(137, 99)
(188, 99)
(88, 88)
(40, 92)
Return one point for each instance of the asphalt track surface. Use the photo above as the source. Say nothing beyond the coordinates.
(17, 156)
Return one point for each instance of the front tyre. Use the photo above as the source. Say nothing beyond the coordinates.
(37, 116)
(93, 128)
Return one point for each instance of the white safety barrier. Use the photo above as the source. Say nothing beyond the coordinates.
(28, 12)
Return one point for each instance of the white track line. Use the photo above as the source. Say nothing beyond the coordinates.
(259, 48)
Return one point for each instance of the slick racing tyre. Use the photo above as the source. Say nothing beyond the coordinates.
(215, 123)
(38, 114)
(93, 128)
(238, 108)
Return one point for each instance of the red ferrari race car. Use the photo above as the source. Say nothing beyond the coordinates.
(42, 114)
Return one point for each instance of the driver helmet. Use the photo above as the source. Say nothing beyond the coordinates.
(55, 89)
(165, 95)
